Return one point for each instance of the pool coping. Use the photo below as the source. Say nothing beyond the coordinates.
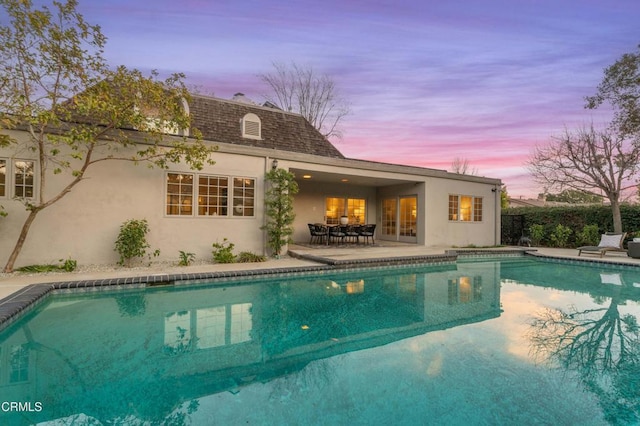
(22, 301)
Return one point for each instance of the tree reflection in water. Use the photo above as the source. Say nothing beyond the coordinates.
(601, 346)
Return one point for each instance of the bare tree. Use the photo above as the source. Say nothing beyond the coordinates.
(299, 89)
(463, 167)
(588, 160)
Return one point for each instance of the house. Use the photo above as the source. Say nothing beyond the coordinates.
(189, 210)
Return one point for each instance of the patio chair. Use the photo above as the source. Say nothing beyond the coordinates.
(352, 233)
(608, 243)
(318, 232)
(336, 232)
(368, 231)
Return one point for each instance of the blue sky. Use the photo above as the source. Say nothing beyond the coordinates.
(428, 81)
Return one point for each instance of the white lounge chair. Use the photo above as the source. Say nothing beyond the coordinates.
(608, 242)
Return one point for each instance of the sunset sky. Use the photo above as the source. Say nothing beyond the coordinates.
(428, 81)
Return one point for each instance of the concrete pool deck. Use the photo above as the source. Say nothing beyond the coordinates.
(300, 256)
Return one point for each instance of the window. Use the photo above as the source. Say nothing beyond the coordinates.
(23, 172)
(212, 195)
(251, 127)
(408, 216)
(353, 208)
(213, 192)
(153, 123)
(3, 178)
(243, 196)
(477, 209)
(465, 208)
(179, 194)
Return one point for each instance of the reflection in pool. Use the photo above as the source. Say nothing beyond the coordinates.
(488, 342)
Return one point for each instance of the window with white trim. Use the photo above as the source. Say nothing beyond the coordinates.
(23, 174)
(216, 196)
(179, 194)
(251, 127)
(243, 196)
(213, 195)
(465, 208)
(354, 208)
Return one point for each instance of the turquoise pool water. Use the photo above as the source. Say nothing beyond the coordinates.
(496, 341)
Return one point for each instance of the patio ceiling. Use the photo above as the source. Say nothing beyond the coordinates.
(345, 178)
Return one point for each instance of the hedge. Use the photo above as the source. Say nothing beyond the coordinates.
(576, 217)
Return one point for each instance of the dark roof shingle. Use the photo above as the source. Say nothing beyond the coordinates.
(220, 121)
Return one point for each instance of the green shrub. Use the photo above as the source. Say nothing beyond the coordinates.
(132, 241)
(186, 258)
(223, 252)
(536, 233)
(560, 235)
(589, 236)
(248, 257)
(281, 187)
(68, 265)
(576, 217)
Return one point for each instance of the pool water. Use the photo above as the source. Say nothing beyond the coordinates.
(494, 341)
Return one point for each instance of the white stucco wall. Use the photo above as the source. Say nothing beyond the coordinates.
(84, 224)
(442, 232)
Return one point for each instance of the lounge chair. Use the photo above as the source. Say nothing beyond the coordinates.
(608, 242)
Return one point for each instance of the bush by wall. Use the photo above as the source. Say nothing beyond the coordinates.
(576, 218)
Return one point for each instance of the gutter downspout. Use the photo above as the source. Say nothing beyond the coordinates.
(497, 192)
(264, 213)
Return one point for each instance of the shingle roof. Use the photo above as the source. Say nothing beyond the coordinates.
(220, 121)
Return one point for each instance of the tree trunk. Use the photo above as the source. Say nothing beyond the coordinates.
(23, 236)
(617, 217)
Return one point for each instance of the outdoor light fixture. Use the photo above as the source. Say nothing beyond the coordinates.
(274, 164)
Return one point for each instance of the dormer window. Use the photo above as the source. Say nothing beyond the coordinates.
(153, 123)
(251, 127)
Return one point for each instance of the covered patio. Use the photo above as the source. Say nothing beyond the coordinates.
(350, 206)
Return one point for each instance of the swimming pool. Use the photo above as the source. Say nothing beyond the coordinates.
(491, 341)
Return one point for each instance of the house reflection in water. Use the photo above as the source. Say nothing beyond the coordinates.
(104, 354)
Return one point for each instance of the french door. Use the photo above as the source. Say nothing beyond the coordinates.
(400, 218)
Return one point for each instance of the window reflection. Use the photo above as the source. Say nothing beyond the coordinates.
(465, 290)
(19, 362)
(207, 327)
(355, 287)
